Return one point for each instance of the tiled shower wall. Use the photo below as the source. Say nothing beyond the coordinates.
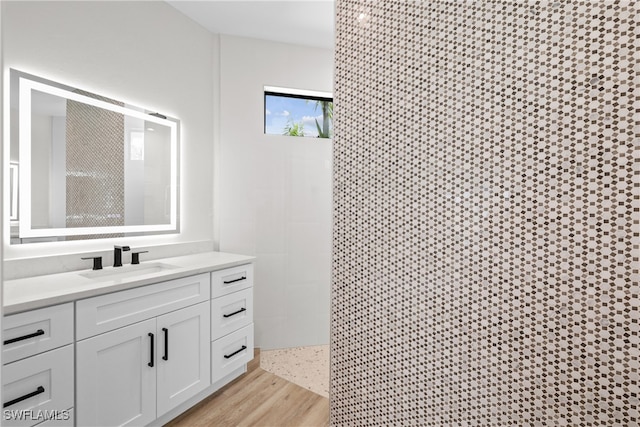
(486, 211)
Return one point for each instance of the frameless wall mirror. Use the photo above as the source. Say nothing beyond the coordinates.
(85, 166)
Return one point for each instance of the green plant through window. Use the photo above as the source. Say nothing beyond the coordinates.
(298, 114)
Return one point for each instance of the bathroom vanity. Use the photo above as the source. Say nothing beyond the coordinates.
(133, 345)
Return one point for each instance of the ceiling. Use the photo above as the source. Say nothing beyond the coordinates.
(304, 22)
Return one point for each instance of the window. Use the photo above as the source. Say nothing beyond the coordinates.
(298, 112)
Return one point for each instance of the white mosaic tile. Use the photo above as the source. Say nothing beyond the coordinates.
(486, 213)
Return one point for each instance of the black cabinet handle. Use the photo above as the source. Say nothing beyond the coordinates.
(151, 351)
(39, 390)
(234, 280)
(166, 344)
(229, 356)
(24, 337)
(235, 312)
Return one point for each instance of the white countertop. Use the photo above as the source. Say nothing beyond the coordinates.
(41, 291)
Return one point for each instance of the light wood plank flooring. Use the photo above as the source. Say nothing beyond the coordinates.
(258, 398)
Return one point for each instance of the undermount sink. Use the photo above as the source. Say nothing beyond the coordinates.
(119, 273)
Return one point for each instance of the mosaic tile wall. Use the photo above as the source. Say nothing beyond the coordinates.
(95, 166)
(487, 214)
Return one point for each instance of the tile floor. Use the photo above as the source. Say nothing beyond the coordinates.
(307, 367)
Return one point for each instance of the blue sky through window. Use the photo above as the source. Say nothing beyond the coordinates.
(280, 110)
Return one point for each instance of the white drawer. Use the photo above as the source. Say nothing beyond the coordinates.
(231, 280)
(108, 312)
(41, 383)
(36, 331)
(231, 312)
(231, 352)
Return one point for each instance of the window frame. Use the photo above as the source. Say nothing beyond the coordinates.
(311, 95)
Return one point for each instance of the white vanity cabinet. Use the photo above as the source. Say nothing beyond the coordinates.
(155, 357)
(37, 378)
(139, 355)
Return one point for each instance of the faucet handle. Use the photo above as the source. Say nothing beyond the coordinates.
(97, 262)
(135, 257)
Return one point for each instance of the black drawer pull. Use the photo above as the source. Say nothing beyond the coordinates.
(229, 356)
(166, 344)
(151, 350)
(235, 280)
(235, 312)
(39, 390)
(25, 337)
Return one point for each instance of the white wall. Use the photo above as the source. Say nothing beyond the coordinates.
(143, 53)
(2, 134)
(275, 191)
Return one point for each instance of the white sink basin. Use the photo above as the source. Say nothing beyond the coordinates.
(127, 271)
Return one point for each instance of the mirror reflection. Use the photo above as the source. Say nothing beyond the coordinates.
(90, 166)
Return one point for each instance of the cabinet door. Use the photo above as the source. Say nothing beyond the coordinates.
(183, 355)
(116, 386)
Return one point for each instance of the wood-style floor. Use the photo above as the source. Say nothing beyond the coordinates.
(258, 398)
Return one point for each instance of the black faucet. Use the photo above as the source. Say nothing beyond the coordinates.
(97, 262)
(117, 255)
